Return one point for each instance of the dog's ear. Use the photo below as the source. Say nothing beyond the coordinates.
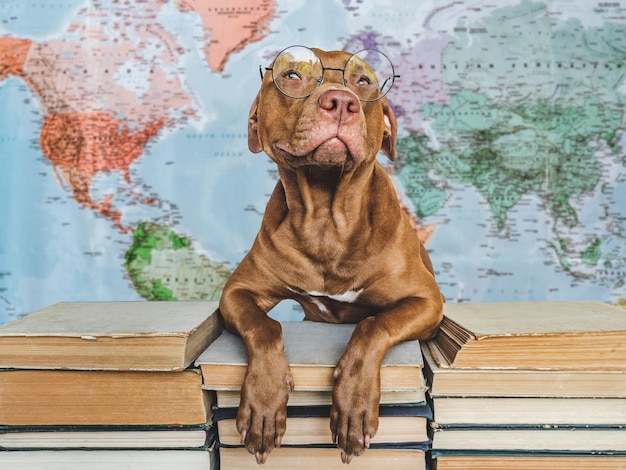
(391, 131)
(254, 143)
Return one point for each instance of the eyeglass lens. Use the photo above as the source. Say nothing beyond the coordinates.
(297, 71)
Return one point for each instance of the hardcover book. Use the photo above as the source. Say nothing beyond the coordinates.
(105, 437)
(202, 459)
(110, 336)
(301, 458)
(313, 350)
(446, 381)
(576, 335)
(69, 397)
(310, 425)
(528, 461)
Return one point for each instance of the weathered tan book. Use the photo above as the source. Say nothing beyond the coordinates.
(110, 336)
(310, 426)
(445, 381)
(576, 335)
(69, 397)
(571, 440)
(528, 461)
(289, 458)
(108, 459)
(312, 350)
(231, 398)
(104, 437)
(525, 411)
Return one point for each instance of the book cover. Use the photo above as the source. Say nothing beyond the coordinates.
(231, 398)
(312, 350)
(106, 437)
(520, 411)
(534, 335)
(519, 460)
(69, 397)
(94, 459)
(327, 458)
(561, 440)
(446, 381)
(406, 425)
(110, 336)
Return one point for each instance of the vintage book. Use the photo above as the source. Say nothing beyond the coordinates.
(110, 335)
(310, 425)
(572, 335)
(68, 397)
(491, 411)
(231, 398)
(445, 381)
(561, 440)
(204, 459)
(300, 458)
(105, 437)
(528, 461)
(312, 350)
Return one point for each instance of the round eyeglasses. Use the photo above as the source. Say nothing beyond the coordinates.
(297, 71)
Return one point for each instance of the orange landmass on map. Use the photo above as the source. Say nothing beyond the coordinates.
(79, 145)
(232, 24)
(96, 117)
(13, 53)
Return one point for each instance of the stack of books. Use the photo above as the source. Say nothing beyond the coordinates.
(528, 385)
(105, 385)
(312, 351)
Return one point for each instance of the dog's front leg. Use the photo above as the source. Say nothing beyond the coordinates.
(356, 392)
(262, 415)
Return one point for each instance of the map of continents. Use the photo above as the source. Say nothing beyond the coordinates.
(108, 85)
(127, 176)
(539, 122)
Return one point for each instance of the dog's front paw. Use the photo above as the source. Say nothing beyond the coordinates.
(262, 415)
(354, 412)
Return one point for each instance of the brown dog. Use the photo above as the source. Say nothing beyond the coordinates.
(333, 238)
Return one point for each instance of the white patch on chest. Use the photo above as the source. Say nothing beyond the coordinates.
(320, 305)
(347, 297)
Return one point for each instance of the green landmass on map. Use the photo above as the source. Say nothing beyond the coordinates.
(507, 152)
(164, 266)
(522, 118)
(591, 255)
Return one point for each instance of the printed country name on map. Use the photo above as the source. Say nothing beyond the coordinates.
(214, 135)
(231, 25)
(514, 63)
(241, 9)
(461, 29)
(229, 154)
(614, 273)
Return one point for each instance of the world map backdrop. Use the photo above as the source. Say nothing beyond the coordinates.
(125, 172)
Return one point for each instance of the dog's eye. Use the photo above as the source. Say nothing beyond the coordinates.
(364, 81)
(291, 75)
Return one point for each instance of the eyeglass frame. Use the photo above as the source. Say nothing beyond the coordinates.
(320, 80)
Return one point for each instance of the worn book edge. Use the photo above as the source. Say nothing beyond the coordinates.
(308, 344)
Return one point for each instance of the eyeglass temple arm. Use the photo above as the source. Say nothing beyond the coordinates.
(261, 70)
(385, 82)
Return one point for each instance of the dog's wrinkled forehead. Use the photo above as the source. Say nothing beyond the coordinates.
(333, 59)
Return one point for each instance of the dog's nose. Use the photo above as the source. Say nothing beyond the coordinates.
(341, 105)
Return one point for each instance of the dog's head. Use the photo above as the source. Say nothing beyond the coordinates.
(300, 119)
